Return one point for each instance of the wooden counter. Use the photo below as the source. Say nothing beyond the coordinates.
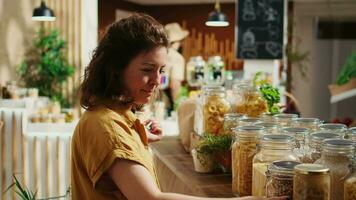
(176, 172)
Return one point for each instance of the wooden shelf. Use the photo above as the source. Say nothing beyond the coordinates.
(342, 96)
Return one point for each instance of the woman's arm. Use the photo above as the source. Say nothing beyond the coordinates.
(136, 183)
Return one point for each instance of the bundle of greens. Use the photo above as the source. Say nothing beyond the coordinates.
(272, 97)
(214, 144)
(348, 71)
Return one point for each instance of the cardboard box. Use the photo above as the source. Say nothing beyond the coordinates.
(338, 89)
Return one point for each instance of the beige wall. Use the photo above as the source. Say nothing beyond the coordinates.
(76, 20)
(16, 32)
(326, 60)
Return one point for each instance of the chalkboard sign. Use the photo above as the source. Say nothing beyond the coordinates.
(260, 29)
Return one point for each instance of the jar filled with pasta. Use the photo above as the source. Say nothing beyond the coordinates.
(311, 123)
(231, 121)
(271, 128)
(311, 182)
(284, 119)
(273, 148)
(280, 178)
(215, 106)
(195, 71)
(249, 100)
(243, 151)
(337, 128)
(215, 71)
(301, 136)
(337, 155)
(315, 142)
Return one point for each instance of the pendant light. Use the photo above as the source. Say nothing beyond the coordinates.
(216, 17)
(43, 13)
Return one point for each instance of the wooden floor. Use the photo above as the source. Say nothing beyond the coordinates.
(176, 172)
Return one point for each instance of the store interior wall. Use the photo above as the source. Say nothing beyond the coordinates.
(326, 60)
(16, 32)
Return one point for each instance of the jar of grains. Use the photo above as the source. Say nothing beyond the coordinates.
(311, 123)
(280, 178)
(337, 155)
(311, 182)
(244, 149)
(273, 148)
(315, 142)
(271, 128)
(300, 136)
(350, 184)
(337, 128)
(215, 106)
(231, 121)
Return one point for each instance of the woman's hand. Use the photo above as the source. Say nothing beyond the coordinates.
(154, 131)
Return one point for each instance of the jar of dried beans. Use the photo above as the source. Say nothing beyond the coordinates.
(280, 178)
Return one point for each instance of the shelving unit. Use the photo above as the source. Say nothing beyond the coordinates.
(342, 96)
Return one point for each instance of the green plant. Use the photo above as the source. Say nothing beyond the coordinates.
(26, 194)
(46, 66)
(348, 70)
(211, 144)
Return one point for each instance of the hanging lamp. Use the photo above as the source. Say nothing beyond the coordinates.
(43, 13)
(216, 17)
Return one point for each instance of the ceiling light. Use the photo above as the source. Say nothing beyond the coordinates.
(43, 13)
(217, 18)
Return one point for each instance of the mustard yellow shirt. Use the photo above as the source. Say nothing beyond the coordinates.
(102, 136)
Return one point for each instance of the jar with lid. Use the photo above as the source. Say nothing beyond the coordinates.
(315, 142)
(301, 137)
(337, 128)
(284, 119)
(231, 121)
(337, 155)
(249, 121)
(195, 71)
(214, 71)
(311, 123)
(215, 106)
(280, 178)
(267, 117)
(352, 134)
(271, 128)
(244, 149)
(273, 148)
(248, 100)
(350, 184)
(311, 182)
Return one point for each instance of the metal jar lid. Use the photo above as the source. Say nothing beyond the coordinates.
(283, 166)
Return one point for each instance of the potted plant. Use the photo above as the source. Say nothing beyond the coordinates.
(212, 150)
(46, 66)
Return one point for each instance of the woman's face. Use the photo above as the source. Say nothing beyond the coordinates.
(142, 75)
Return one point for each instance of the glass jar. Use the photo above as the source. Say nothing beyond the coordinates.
(243, 150)
(315, 142)
(311, 182)
(231, 121)
(350, 184)
(215, 106)
(311, 123)
(337, 156)
(267, 117)
(249, 100)
(271, 128)
(301, 137)
(195, 71)
(273, 148)
(215, 71)
(248, 121)
(337, 128)
(352, 134)
(280, 178)
(284, 119)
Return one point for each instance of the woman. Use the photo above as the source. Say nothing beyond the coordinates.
(110, 156)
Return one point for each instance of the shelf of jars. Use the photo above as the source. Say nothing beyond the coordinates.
(267, 152)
